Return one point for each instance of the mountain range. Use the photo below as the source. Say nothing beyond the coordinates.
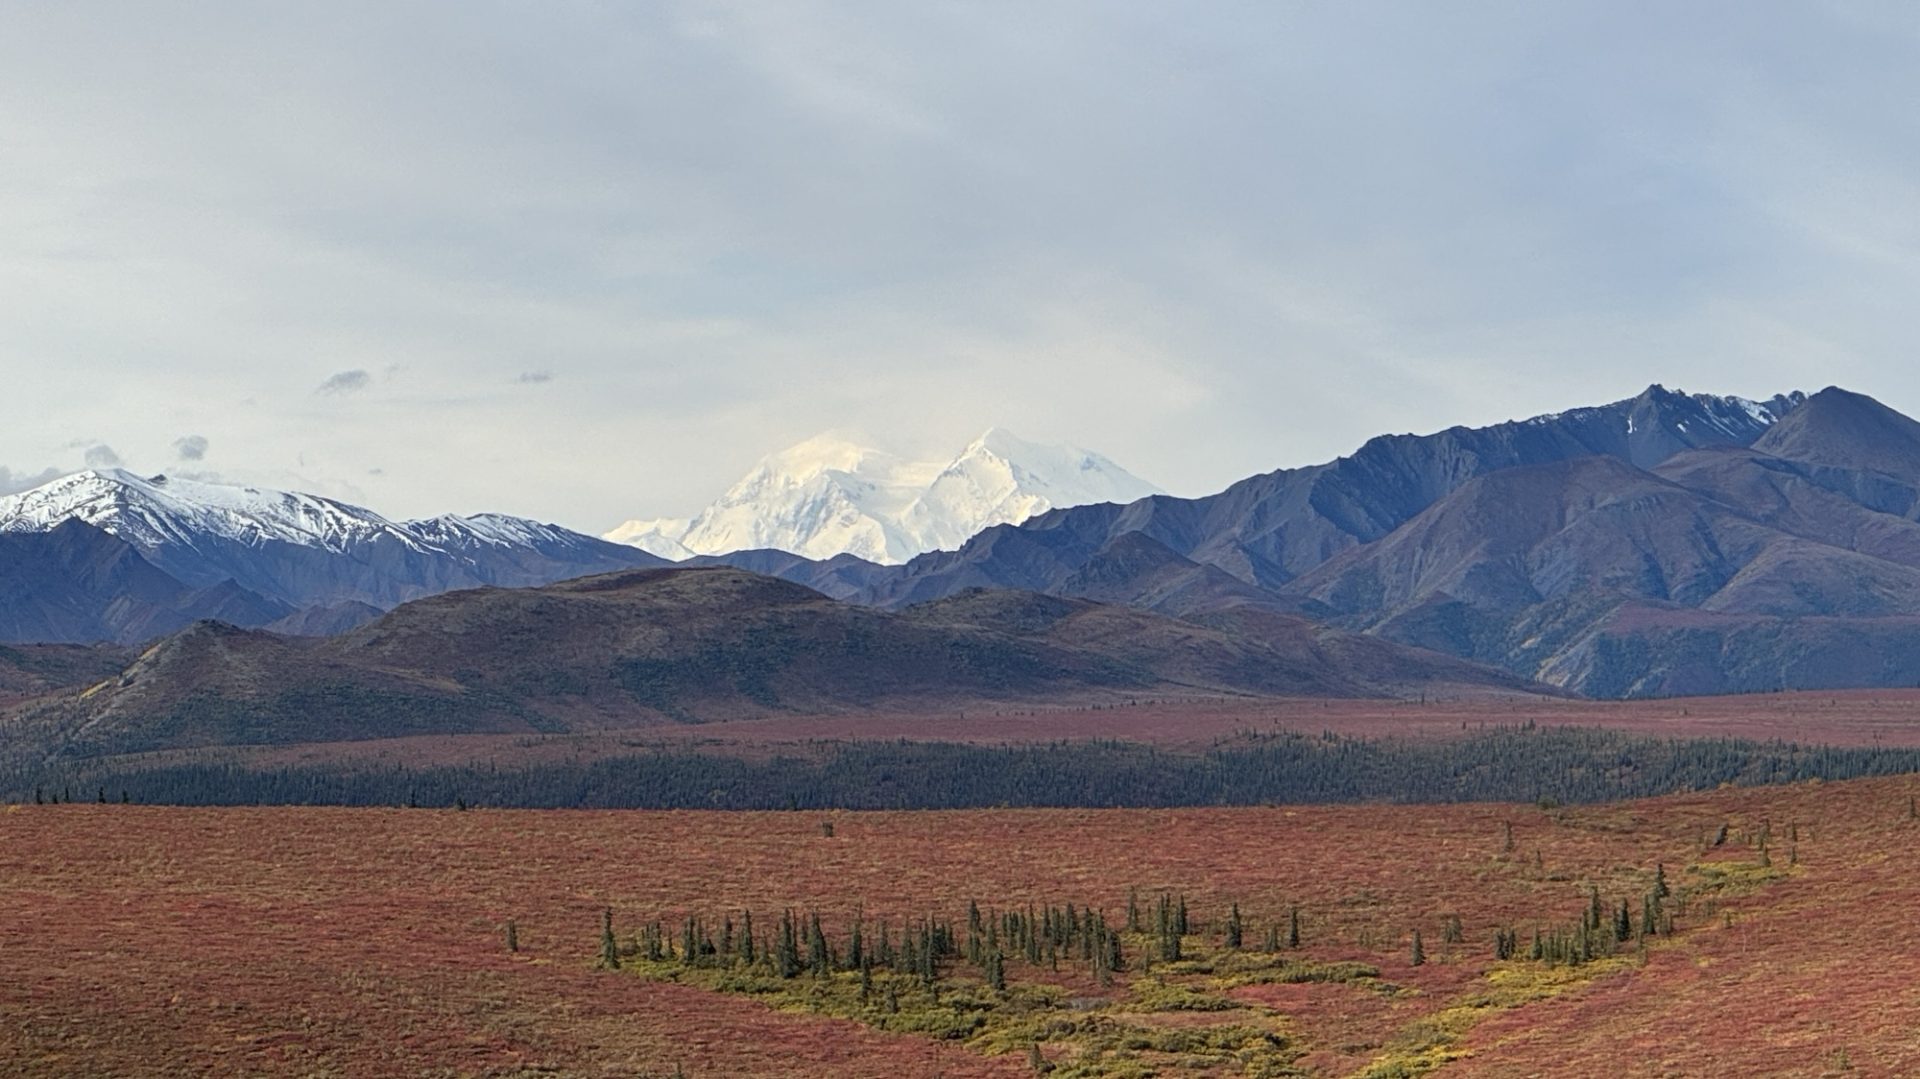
(833, 495)
(108, 555)
(1665, 544)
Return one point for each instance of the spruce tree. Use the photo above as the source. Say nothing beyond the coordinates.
(513, 936)
(1293, 927)
(817, 948)
(1234, 928)
(787, 949)
(1416, 955)
(609, 948)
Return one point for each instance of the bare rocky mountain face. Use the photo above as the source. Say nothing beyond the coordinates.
(1662, 545)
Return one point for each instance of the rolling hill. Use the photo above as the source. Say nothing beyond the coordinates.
(644, 647)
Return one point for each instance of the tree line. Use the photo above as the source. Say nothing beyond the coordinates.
(1558, 765)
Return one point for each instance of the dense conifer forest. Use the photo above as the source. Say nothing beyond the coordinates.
(1559, 765)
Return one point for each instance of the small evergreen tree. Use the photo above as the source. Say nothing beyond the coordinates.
(609, 948)
(817, 948)
(1416, 955)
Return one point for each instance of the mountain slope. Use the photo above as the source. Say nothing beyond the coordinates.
(301, 551)
(76, 584)
(642, 647)
(1270, 529)
(30, 670)
(1847, 430)
(1571, 572)
(1775, 530)
(831, 496)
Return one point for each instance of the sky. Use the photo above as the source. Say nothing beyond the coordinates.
(589, 261)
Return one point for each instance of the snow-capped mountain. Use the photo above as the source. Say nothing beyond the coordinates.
(833, 495)
(304, 550)
(160, 510)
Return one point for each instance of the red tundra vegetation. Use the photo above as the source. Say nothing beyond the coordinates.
(351, 942)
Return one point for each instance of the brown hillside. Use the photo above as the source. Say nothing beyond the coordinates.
(643, 647)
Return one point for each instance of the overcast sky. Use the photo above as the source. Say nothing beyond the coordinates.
(587, 262)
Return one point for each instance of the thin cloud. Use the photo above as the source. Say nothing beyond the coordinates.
(12, 483)
(346, 382)
(535, 377)
(102, 456)
(191, 448)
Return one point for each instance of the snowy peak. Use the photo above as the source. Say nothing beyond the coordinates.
(165, 511)
(1001, 479)
(299, 551)
(656, 536)
(835, 452)
(454, 532)
(831, 495)
(162, 510)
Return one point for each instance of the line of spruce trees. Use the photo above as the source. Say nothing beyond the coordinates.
(800, 944)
